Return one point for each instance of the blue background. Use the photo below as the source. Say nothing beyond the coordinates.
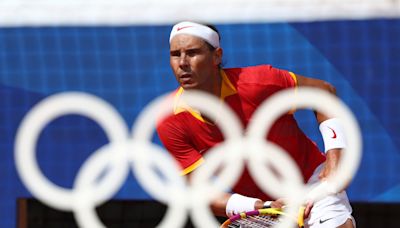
(129, 67)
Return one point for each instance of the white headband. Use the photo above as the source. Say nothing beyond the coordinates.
(195, 29)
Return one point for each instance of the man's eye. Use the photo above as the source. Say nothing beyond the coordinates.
(175, 53)
(192, 53)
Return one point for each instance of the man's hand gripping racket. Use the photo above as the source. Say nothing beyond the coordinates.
(267, 217)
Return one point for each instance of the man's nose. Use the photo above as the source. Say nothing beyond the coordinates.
(183, 61)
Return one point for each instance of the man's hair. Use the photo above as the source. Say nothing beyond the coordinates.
(210, 47)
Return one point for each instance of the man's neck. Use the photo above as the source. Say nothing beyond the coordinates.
(215, 86)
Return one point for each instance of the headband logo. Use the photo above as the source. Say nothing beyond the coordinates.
(180, 28)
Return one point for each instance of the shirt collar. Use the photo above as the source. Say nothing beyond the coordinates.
(227, 89)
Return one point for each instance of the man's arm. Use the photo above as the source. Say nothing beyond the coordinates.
(333, 155)
(219, 205)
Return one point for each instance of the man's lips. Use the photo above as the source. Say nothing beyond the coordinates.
(185, 78)
(185, 75)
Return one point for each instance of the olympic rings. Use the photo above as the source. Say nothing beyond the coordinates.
(147, 160)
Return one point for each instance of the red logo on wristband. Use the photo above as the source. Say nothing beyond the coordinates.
(334, 133)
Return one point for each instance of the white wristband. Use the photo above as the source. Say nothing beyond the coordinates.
(332, 134)
(238, 203)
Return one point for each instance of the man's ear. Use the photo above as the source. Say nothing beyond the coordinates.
(218, 56)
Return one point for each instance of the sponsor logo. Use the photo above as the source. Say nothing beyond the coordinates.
(334, 133)
(180, 28)
(324, 220)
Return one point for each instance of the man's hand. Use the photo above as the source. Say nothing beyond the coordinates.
(308, 208)
(279, 203)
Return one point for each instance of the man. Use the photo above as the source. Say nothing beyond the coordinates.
(195, 58)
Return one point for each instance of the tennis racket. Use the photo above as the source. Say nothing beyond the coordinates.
(267, 217)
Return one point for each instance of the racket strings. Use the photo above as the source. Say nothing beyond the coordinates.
(259, 221)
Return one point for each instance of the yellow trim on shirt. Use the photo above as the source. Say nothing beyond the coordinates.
(192, 167)
(180, 106)
(227, 89)
(293, 110)
(294, 77)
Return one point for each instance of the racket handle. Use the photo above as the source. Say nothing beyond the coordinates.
(300, 218)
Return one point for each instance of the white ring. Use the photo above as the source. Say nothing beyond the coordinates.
(35, 121)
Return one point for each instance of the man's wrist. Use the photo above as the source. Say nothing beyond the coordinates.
(333, 155)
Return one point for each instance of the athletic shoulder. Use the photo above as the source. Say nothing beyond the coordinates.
(261, 74)
(264, 68)
(172, 123)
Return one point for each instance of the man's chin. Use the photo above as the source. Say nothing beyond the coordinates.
(189, 86)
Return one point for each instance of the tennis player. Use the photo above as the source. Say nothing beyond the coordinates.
(195, 58)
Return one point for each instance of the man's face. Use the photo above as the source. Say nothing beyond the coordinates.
(192, 61)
